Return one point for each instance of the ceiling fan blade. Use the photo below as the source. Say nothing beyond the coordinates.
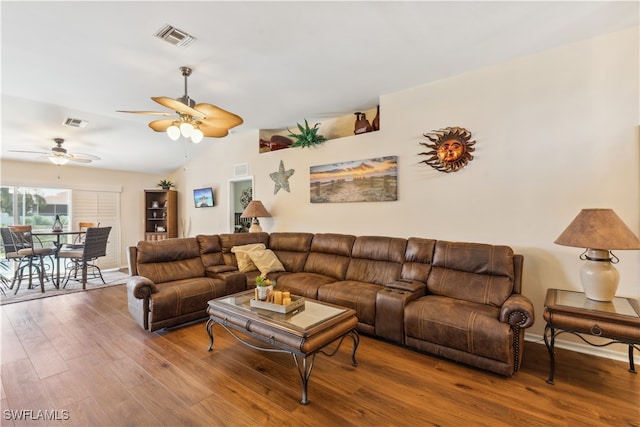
(30, 152)
(178, 106)
(217, 117)
(157, 113)
(82, 156)
(80, 159)
(70, 157)
(212, 131)
(161, 125)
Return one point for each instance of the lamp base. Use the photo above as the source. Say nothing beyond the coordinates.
(255, 226)
(598, 276)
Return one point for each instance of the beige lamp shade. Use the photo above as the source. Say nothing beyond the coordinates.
(598, 229)
(255, 209)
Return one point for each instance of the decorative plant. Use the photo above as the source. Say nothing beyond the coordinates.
(308, 136)
(165, 184)
(261, 281)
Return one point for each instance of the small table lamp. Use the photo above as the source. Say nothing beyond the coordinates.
(599, 231)
(255, 209)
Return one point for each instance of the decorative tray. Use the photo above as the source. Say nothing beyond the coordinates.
(296, 302)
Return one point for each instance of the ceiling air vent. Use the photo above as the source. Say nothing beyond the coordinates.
(75, 123)
(175, 36)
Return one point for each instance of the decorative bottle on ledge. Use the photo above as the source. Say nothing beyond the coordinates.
(362, 125)
(375, 124)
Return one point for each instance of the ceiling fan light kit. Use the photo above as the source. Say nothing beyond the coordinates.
(58, 160)
(174, 132)
(194, 121)
(185, 129)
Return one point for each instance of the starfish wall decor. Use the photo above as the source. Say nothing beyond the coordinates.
(281, 178)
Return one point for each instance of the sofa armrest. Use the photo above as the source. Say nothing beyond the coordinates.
(234, 280)
(141, 287)
(408, 285)
(517, 310)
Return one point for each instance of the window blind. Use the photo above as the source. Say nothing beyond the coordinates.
(100, 207)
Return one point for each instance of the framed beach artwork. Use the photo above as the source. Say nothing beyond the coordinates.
(370, 180)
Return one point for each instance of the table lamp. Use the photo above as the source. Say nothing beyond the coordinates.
(255, 209)
(599, 231)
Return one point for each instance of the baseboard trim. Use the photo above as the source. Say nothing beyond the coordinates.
(622, 356)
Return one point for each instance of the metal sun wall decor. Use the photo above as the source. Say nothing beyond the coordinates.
(370, 180)
(451, 149)
(281, 178)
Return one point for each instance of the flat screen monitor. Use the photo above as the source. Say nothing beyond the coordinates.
(203, 197)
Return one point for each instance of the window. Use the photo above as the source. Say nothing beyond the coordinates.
(38, 207)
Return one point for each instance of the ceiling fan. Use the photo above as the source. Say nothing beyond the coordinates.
(59, 155)
(194, 121)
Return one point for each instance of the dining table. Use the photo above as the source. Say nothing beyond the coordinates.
(58, 244)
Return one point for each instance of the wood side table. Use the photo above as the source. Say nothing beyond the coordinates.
(572, 312)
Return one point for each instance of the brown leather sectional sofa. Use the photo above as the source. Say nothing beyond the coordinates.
(461, 301)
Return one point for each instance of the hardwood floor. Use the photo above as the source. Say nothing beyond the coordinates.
(80, 358)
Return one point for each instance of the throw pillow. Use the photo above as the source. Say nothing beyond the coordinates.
(242, 256)
(266, 261)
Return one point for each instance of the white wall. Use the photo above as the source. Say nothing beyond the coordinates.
(556, 132)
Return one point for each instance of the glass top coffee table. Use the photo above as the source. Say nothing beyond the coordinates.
(302, 333)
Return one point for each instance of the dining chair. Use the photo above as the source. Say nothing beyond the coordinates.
(85, 258)
(78, 240)
(11, 254)
(30, 255)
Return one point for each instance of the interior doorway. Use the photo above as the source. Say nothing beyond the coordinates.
(240, 194)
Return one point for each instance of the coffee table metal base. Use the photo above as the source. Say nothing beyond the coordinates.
(304, 362)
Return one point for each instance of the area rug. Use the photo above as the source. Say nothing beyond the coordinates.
(111, 277)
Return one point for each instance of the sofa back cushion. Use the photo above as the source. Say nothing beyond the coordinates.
(330, 254)
(170, 259)
(376, 259)
(210, 249)
(418, 258)
(291, 249)
(473, 272)
(230, 240)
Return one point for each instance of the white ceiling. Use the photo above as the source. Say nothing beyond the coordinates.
(273, 63)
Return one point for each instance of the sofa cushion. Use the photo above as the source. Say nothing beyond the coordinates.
(330, 255)
(474, 272)
(376, 259)
(291, 249)
(170, 259)
(182, 297)
(266, 261)
(242, 256)
(359, 296)
(302, 284)
(418, 258)
(210, 249)
(466, 326)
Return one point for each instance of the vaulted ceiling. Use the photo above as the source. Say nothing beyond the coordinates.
(272, 63)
